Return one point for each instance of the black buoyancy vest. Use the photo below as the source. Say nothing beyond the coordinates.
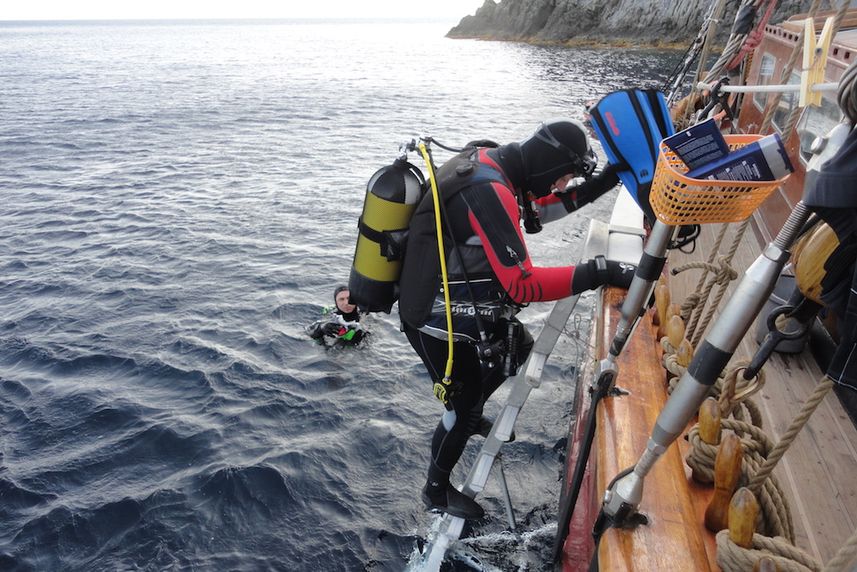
(421, 277)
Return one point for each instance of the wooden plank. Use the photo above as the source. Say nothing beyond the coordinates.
(674, 539)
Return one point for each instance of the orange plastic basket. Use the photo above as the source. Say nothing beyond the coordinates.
(677, 199)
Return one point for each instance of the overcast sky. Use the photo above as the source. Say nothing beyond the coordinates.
(118, 9)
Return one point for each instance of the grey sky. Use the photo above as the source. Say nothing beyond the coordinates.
(101, 9)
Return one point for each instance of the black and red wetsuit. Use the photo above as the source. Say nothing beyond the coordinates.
(480, 190)
(484, 215)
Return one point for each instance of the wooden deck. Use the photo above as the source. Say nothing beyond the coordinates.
(819, 472)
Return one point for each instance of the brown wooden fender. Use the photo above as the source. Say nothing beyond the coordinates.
(709, 421)
(675, 331)
(727, 472)
(743, 511)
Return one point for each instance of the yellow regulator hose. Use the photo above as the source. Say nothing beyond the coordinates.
(442, 255)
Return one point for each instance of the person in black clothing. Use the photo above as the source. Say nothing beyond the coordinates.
(341, 325)
(485, 193)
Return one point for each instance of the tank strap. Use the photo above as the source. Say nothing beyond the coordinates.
(390, 241)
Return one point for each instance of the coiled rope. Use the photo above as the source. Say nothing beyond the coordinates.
(778, 542)
(788, 558)
(847, 94)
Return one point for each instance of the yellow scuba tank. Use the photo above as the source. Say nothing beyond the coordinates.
(392, 195)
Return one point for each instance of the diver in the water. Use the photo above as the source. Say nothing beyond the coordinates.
(341, 324)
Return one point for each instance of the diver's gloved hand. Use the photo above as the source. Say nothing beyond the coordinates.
(620, 274)
(591, 274)
(331, 329)
(587, 190)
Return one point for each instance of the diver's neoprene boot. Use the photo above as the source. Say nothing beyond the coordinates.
(449, 500)
(440, 496)
(484, 427)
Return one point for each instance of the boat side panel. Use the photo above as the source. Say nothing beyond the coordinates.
(674, 538)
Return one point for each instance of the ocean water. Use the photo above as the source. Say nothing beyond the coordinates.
(177, 201)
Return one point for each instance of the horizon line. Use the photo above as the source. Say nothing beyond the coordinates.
(227, 18)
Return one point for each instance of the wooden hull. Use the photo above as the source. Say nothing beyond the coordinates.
(673, 539)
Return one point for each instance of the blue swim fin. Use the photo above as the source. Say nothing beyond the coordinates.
(630, 125)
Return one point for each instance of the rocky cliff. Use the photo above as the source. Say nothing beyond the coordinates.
(645, 22)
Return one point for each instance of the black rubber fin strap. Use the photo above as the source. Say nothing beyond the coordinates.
(657, 110)
(641, 117)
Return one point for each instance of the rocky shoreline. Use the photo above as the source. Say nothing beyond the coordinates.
(620, 23)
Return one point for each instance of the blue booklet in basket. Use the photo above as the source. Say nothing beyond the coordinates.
(762, 160)
(706, 154)
(698, 144)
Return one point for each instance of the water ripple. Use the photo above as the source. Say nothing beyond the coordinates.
(178, 201)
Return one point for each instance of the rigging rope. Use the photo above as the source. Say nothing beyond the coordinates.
(733, 45)
(714, 20)
(690, 304)
(811, 404)
(671, 86)
(845, 556)
(754, 38)
(847, 94)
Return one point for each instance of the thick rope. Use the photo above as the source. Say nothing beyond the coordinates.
(743, 410)
(847, 94)
(788, 558)
(726, 259)
(810, 405)
(754, 38)
(846, 556)
(722, 274)
(775, 514)
(690, 303)
(702, 455)
(732, 49)
(730, 387)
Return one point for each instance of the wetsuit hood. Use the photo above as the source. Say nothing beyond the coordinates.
(559, 147)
